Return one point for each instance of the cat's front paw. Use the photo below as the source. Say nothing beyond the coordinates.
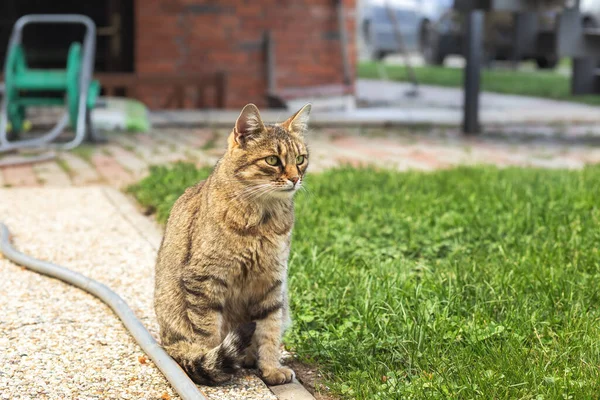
(277, 376)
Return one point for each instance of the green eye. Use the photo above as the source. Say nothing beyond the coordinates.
(272, 160)
(299, 160)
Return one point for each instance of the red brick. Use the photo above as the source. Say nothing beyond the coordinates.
(197, 42)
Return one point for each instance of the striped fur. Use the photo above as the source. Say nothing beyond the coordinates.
(221, 273)
(216, 365)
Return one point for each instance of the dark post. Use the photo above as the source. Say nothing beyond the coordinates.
(473, 41)
(583, 78)
(269, 44)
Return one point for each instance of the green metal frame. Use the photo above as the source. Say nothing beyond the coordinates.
(23, 83)
(26, 87)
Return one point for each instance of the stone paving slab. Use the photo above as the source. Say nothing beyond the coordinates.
(79, 170)
(128, 157)
(110, 169)
(20, 175)
(59, 342)
(51, 174)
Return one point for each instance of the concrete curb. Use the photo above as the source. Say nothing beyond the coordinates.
(291, 391)
(128, 210)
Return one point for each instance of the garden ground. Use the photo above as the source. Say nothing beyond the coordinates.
(415, 279)
(463, 283)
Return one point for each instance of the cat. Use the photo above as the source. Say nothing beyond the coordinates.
(221, 274)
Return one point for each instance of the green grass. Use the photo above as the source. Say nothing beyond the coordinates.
(466, 283)
(164, 185)
(545, 84)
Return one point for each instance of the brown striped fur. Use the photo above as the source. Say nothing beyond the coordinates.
(221, 274)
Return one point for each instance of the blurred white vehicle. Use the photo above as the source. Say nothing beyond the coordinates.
(434, 29)
(590, 9)
(377, 32)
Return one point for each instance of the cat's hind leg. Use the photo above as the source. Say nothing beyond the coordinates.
(199, 348)
(216, 365)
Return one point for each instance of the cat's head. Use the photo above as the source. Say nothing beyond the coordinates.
(269, 159)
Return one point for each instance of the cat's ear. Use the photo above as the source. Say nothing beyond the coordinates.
(248, 124)
(298, 123)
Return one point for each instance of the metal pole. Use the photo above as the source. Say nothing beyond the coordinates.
(341, 14)
(398, 32)
(270, 61)
(474, 36)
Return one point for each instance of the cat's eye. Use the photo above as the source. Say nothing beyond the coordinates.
(272, 160)
(299, 160)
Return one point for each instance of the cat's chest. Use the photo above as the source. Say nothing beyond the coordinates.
(262, 256)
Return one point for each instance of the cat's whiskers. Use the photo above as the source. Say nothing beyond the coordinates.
(243, 193)
(251, 191)
(307, 191)
(267, 190)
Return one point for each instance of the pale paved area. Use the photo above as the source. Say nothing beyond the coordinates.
(385, 103)
(444, 106)
(127, 157)
(56, 341)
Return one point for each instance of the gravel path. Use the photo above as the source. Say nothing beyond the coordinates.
(58, 342)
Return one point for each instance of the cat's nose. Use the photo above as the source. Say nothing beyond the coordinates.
(294, 179)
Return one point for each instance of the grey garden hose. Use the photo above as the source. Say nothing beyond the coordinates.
(182, 384)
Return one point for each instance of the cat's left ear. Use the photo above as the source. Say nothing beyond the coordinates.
(298, 123)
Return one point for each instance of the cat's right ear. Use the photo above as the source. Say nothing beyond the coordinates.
(248, 124)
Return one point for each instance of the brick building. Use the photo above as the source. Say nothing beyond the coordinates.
(171, 38)
(228, 35)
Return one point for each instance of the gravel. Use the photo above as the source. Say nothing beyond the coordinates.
(58, 342)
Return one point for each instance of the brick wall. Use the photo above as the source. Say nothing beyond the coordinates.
(205, 36)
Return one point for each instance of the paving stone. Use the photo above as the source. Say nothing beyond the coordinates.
(194, 137)
(132, 163)
(51, 174)
(20, 175)
(401, 149)
(111, 170)
(81, 171)
(143, 150)
(162, 150)
(176, 147)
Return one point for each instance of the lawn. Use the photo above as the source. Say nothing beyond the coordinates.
(466, 283)
(546, 84)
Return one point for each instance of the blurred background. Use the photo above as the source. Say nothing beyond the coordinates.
(273, 52)
(446, 245)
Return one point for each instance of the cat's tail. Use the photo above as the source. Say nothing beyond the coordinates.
(218, 364)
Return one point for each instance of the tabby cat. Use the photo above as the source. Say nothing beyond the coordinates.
(221, 274)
